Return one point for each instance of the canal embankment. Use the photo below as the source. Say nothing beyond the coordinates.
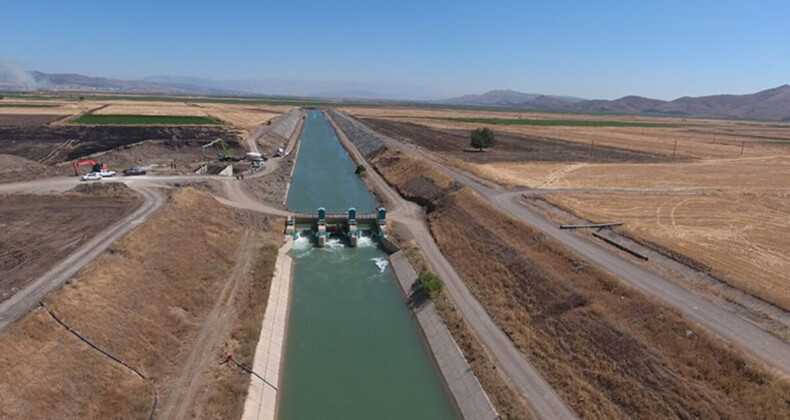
(469, 395)
(271, 183)
(261, 402)
(399, 177)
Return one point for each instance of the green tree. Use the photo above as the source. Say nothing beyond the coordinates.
(431, 284)
(482, 138)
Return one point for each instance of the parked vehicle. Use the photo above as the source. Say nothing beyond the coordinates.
(92, 176)
(106, 173)
(134, 171)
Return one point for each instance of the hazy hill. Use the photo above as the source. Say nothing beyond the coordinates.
(510, 98)
(771, 104)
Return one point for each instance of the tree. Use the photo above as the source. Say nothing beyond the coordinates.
(482, 138)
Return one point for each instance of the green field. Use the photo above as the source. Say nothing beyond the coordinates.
(27, 106)
(116, 119)
(557, 123)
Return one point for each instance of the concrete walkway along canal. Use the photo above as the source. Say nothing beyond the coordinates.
(353, 350)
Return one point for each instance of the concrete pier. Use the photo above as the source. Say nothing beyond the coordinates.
(261, 403)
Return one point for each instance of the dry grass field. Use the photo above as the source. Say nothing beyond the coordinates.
(742, 237)
(144, 300)
(766, 173)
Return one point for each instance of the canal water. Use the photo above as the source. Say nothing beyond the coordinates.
(353, 350)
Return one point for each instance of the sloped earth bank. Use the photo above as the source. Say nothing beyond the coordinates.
(609, 350)
(145, 300)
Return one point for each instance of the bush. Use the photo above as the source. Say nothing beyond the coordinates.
(360, 170)
(431, 284)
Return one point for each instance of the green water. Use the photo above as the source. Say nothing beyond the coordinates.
(353, 350)
(324, 174)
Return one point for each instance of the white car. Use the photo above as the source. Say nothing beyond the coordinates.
(92, 176)
(105, 173)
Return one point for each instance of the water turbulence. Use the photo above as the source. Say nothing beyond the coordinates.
(353, 350)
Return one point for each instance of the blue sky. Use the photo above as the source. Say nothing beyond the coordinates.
(593, 49)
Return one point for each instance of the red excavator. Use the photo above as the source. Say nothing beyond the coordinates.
(95, 166)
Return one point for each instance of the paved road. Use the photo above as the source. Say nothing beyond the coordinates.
(22, 301)
(542, 399)
(720, 320)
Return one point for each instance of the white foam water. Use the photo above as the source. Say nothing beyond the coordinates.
(365, 242)
(333, 244)
(381, 263)
(301, 242)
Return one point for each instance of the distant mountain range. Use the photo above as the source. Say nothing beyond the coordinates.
(771, 104)
(511, 98)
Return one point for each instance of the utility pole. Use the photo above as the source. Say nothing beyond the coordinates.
(592, 145)
(743, 143)
(674, 149)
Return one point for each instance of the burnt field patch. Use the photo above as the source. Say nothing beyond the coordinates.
(62, 143)
(27, 120)
(509, 148)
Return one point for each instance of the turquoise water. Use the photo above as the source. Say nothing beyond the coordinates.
(353, 350)
(324, 174)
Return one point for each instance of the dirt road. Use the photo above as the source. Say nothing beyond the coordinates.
(727, 324)
(545, 403)
(25, 299)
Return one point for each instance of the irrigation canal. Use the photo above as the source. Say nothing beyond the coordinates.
(353, 349)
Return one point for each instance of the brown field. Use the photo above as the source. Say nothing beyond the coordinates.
(243, 117)
(743, 237)
(696, 138)
(37, 232)
(144, 300)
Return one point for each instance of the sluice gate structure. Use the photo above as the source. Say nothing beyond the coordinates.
(323, 224)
